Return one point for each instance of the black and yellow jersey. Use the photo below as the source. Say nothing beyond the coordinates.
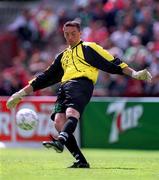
(82, 60)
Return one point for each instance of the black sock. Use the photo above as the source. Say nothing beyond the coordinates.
(72, 146)
(69, 128)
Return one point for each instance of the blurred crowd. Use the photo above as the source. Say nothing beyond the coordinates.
(127, 29)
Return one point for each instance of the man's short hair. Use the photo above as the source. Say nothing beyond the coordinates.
(73, 24)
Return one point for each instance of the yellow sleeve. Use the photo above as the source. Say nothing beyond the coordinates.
(107, 56)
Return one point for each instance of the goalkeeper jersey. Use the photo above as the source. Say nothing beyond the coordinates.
(82, 60)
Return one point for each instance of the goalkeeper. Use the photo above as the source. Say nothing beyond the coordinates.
(76, 68)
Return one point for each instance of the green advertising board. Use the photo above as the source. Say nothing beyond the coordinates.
(126, 123)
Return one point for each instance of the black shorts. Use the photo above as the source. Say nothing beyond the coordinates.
(75, 93)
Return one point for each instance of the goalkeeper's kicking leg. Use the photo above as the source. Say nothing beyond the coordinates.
(66, 125)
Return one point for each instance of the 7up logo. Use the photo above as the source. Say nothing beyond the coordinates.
(123, 118)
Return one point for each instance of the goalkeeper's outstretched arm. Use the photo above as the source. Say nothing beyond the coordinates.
(50, 76)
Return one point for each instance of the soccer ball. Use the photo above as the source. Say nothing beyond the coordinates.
(26, 119)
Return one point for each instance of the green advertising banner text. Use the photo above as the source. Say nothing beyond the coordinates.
(121, 123)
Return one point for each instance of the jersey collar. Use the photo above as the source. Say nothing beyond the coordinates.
(75, 45)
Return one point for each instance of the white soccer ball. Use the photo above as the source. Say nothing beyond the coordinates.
(26, 119)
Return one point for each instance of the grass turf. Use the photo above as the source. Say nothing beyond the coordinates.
(43, 164)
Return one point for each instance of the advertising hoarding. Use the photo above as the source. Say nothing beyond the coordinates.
(129, 123)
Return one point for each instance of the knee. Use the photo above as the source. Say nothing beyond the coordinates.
(71, 112)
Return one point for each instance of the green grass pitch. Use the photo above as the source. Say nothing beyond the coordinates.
(43, 164)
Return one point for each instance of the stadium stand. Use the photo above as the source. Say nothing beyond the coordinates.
(31, 35)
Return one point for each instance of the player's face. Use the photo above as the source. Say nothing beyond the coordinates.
(72, 35)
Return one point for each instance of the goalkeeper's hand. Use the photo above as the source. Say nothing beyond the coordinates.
(142, 75)
(15, 99)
